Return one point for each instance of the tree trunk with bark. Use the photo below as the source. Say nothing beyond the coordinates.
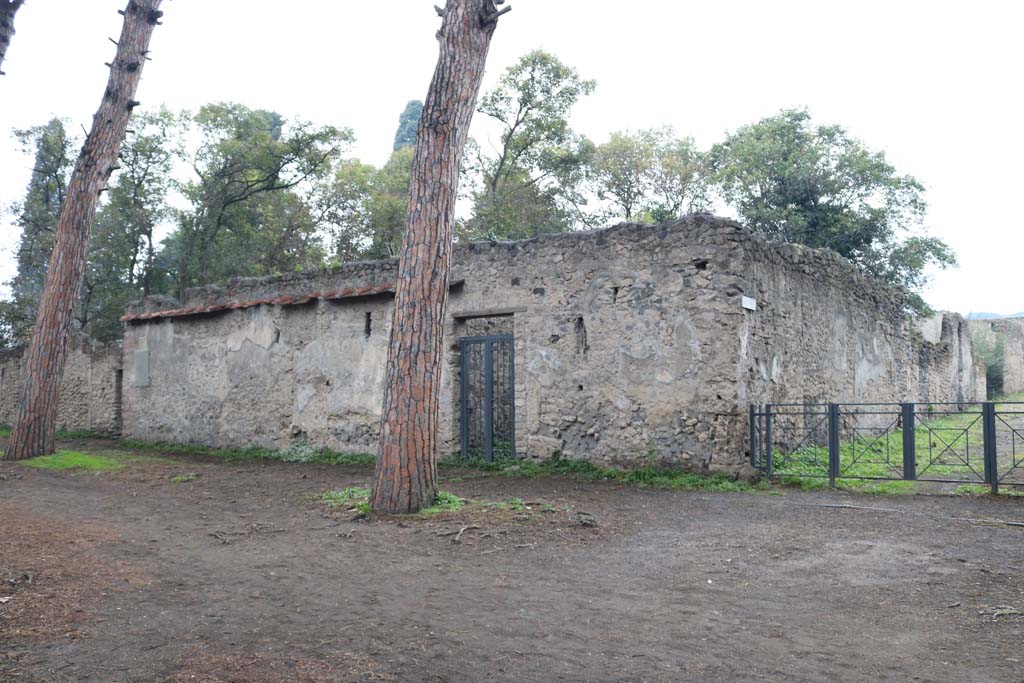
(36, 419)
(7, 11)
(406, 472)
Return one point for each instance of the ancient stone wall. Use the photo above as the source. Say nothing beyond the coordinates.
(633, 344)
(90, 398)
(1009, 334)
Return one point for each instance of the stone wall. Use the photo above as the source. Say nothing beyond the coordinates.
(90, 397)
(1009, 332)
(632, 345)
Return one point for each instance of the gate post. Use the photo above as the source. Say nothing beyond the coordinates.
(909, 442)
(768, 439)
(988, 423)
(833, 443)
(753, 436)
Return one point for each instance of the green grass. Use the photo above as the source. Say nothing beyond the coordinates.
(347, 496)
(939, 442)
(74, 460)
(650, 476)
(443, 502)
(514, 504)
(5, 430)
(74, 434)
(298, 454)
(555, 466)
(358, 498)
(185, 478)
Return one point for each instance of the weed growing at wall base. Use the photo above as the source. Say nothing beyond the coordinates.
(300, 453)
(652, 476)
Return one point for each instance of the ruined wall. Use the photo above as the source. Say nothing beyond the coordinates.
(90, 393)
(1009, 334)
(615, 341)
(824, 332)
(632, 345)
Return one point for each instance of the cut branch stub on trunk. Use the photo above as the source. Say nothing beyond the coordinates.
(36, 417)
(405, 479)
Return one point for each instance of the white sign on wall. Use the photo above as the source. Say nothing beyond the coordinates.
(749, 303)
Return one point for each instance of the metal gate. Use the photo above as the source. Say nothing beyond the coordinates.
(960, 443)
(488, 409)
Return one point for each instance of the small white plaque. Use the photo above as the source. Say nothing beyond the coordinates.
(749, 303)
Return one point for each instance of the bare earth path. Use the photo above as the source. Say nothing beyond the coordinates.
(241, 575)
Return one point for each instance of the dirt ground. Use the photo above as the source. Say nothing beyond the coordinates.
(240, 574)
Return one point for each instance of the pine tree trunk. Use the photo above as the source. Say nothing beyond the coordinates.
(36, 419)
(406, 471)
(7, 10)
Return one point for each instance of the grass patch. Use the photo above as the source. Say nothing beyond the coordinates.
(355, 498)
(185, 478)
(941, 441)
(72, 434)
(358, 498)
(298, 453)
(650, 476)
(74, 460)
(348, 496)
(444, 502)
(5, 430)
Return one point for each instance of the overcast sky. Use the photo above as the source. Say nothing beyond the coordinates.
(936, 85)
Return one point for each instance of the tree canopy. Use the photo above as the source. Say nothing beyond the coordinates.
(817, 185)
(409, 120)
(233, 191)
(531, 182)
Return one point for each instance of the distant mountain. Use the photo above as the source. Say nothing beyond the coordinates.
(993, 316)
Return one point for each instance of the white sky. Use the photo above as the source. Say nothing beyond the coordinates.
(935, 84)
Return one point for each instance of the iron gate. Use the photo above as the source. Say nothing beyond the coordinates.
(961, 443)
(488, 409)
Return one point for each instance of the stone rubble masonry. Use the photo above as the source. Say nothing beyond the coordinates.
(90, 397)
(1010, 331)
(632, 346)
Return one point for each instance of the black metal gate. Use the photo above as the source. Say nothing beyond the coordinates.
(960, 443)
(488, 409)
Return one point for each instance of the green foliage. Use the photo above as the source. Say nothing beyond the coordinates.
(5, 430)
(368, 207)
(122, 262)
(649, 476)
(185, 478)
(443, 502)
(940, 439)
(73, 460)
(246, 216)
(650, 175)
(408, 123)
(301, 452)
(532, 184)
(818, 186)
(347, 497)
(322, 456)
(36, 216)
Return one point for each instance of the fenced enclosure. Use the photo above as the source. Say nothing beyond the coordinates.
(488, 410)
(961, 443)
